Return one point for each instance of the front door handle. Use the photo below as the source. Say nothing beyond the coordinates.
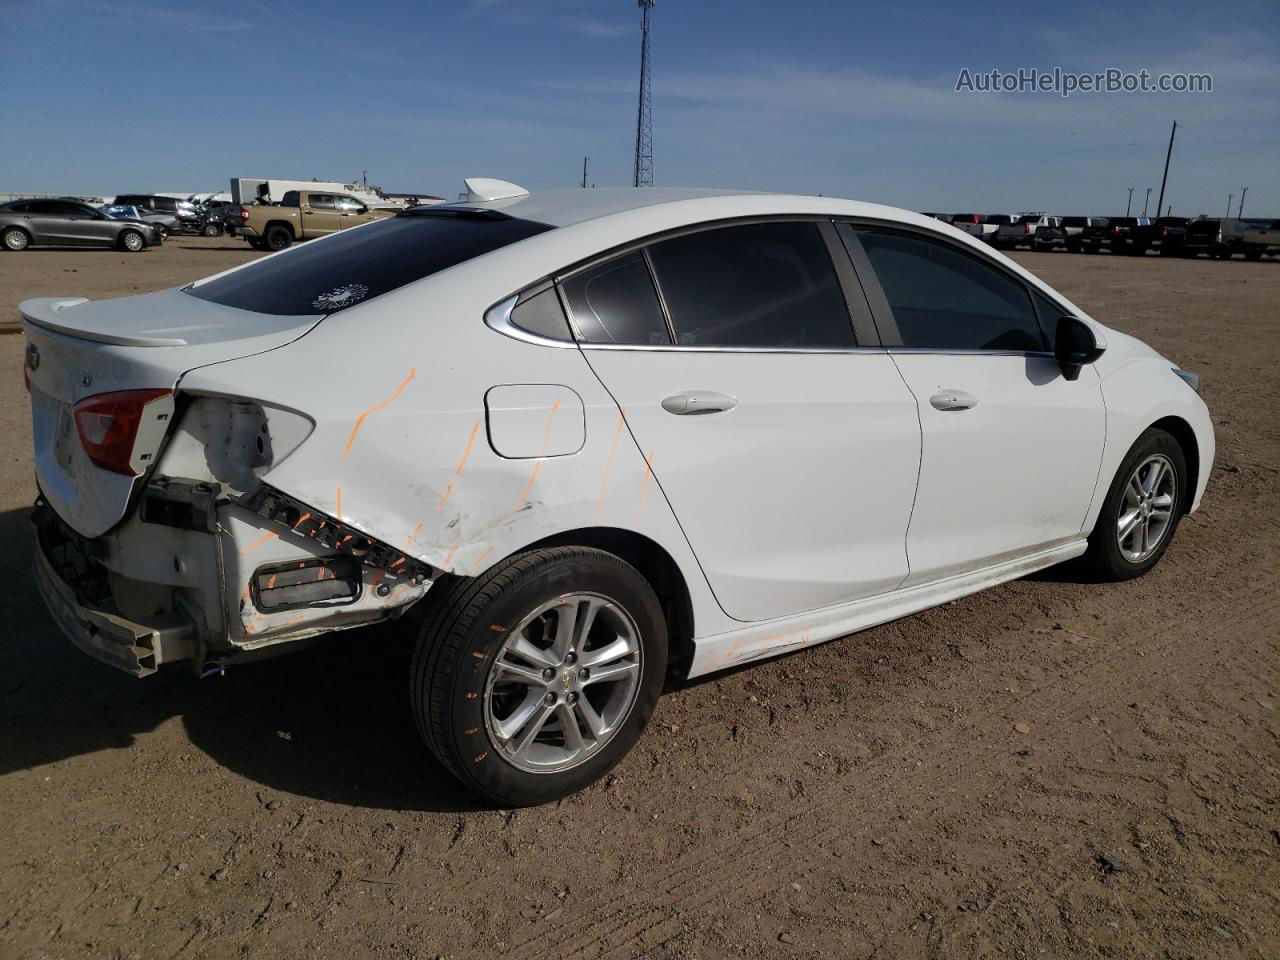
(697, 402)
(953, 400)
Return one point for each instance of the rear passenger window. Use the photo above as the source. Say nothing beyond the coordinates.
(541, 314)
(755, 285)
(943, 299)
(615, 303)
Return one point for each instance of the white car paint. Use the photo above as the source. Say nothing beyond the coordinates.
(805, 512)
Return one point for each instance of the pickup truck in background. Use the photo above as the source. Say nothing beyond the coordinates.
(1095, 235)
(1073, 229)
(1261, 241)
(983, 227)
(1167, 234)
(302, 215)
(1022, 231)
(1131, 235)
(1217, 238)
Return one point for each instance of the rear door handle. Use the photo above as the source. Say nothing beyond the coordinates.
(953, 400)
(697, 402)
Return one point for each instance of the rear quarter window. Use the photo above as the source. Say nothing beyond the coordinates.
(365, 262)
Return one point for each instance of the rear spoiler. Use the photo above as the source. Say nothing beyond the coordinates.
(44, 312)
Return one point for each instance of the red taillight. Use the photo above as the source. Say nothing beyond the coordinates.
(244, 214)
(108, 426)
(1115, 231)
(1026, 228)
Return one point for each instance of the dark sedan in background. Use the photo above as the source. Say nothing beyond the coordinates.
(70, 223)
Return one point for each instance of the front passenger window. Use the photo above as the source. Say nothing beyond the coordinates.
(943, 299)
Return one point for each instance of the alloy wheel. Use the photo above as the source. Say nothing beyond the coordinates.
(1146, 509)
(563, 683)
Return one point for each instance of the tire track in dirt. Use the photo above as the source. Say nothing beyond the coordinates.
(700, 879)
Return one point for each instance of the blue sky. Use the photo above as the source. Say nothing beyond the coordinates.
(846, 99)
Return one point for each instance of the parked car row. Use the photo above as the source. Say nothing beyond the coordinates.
(1219, 238)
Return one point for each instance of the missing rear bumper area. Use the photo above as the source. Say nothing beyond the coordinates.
(76, 591)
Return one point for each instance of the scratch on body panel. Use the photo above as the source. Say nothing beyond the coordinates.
(457, 471)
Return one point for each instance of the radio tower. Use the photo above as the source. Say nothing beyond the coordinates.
(644, 115)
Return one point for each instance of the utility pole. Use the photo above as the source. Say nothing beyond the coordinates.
(1160, 202)
(1146, 201)
(1230, 197)
(1129, 206)
(1240, 212)
(584, 172)
(643, 174)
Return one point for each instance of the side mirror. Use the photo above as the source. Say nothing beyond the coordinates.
(1074, 345)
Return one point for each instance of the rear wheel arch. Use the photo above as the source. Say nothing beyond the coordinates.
(653, 562)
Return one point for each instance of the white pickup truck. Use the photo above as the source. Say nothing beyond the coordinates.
(1258, 241)
(982, 226)
(1022, 231)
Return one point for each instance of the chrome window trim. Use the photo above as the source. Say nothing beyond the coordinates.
(692, 348)
(498, 318)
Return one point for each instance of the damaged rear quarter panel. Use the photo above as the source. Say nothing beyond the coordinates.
(400, 449)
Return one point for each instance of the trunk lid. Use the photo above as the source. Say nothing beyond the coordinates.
(78, 349)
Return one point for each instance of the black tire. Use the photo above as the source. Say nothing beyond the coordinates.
(257, 244)
(131, 241)
(277, 237)
(1074, 248)
(1253, 254)
(464, 628)
(211, 230)
(15, 239)
(1104, 555)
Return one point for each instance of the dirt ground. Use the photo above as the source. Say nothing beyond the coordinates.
(870, 797)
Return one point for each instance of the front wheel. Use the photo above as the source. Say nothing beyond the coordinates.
(211, 230)
(132, 241)
(531, 681)
(1142, 508)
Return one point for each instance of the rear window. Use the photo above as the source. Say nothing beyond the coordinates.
(1073, 221)
(997, 218)
(329, 275)
(1203, 226)
(1029, 218)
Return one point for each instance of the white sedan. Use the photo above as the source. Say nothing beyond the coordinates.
(585, 439)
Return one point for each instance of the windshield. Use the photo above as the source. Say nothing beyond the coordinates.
(365, 262)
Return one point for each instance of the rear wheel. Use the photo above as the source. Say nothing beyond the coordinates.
(1142, 508)
(131, 240)
(15, 239)
(211, 230)
(531, 681)
(277, 237)
(1253, 254)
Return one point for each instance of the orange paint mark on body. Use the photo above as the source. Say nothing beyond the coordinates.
(338, 508)
(487, 550)
(412, 533)
(355, 428)
(457, 471)
(644, 484)
(533, 474)
(257, 543)
(608, 464)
